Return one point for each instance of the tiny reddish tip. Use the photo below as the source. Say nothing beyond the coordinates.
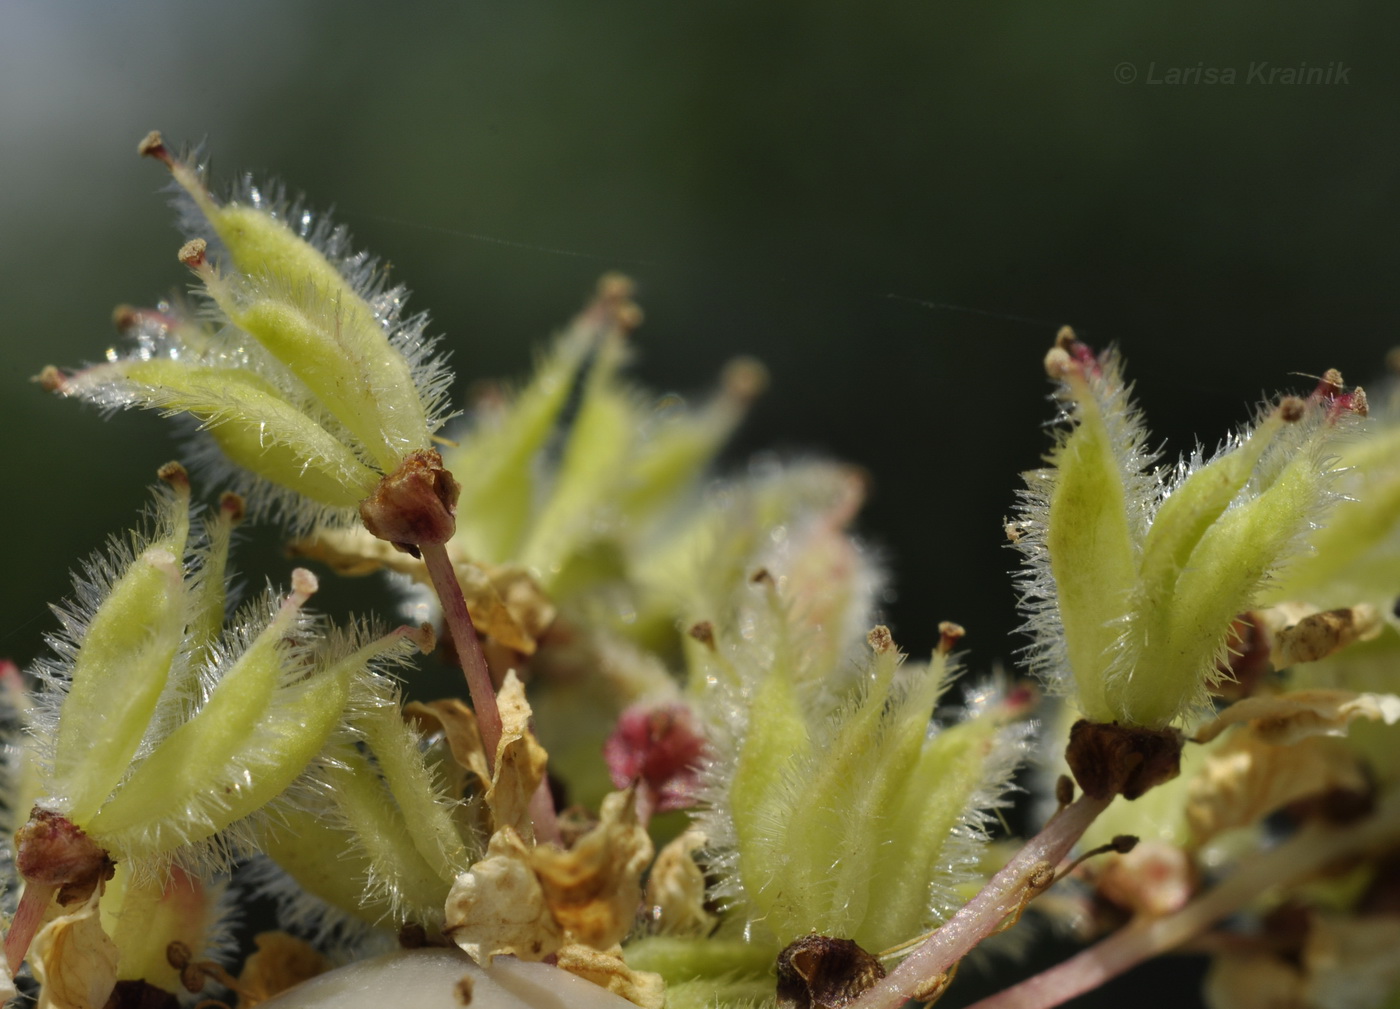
(192, 253)
(153, 146)
(880, 639)
(703, 632)
(232, 507)
(50, 379)
(124, 317)
(949, 634)
(175, 475)
(1021, 698)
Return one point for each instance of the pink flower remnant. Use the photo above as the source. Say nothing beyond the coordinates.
(660, 748)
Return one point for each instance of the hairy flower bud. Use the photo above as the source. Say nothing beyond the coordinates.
(309, 379)
(1135, 577)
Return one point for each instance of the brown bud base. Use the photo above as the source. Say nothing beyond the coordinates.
(413, 505)
(54, 851)
(819, 972)
(140, 995)
(1109, 760)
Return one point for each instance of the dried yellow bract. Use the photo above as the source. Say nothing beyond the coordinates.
(497, 906)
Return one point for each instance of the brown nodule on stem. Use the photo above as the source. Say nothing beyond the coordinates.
(819, 972)
(54, 851)
(414, 505)
(1113, 759)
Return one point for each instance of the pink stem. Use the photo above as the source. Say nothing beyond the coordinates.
(468, 645)
(1145, 938)
(542, 814)
(28, 917)
(1004, 894)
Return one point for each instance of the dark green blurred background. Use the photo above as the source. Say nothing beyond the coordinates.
(893, 205)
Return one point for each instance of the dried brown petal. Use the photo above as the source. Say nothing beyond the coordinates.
(413, 505)
(280, 961)
(506, 604)
(1319, 635)
(74, 960)
(520, 762)
(1248, 777)
(1114, 759)
(819, 972)
(52, 850)
(1287, 718)
(595, 888)
(675, 895)
(607, 969)
(497, 906)
(457, 723)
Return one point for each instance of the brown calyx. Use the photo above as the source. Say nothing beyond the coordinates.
(54, 851)
(1124, 760)
(819, 972)
(416, 504)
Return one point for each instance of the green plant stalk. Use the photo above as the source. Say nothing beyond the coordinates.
(1004, 895)
(1296, 858)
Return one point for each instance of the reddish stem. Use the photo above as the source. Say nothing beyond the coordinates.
(28, 917)
(1143, 939)
(468, 645)
(1005, 894)
(478, 673)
